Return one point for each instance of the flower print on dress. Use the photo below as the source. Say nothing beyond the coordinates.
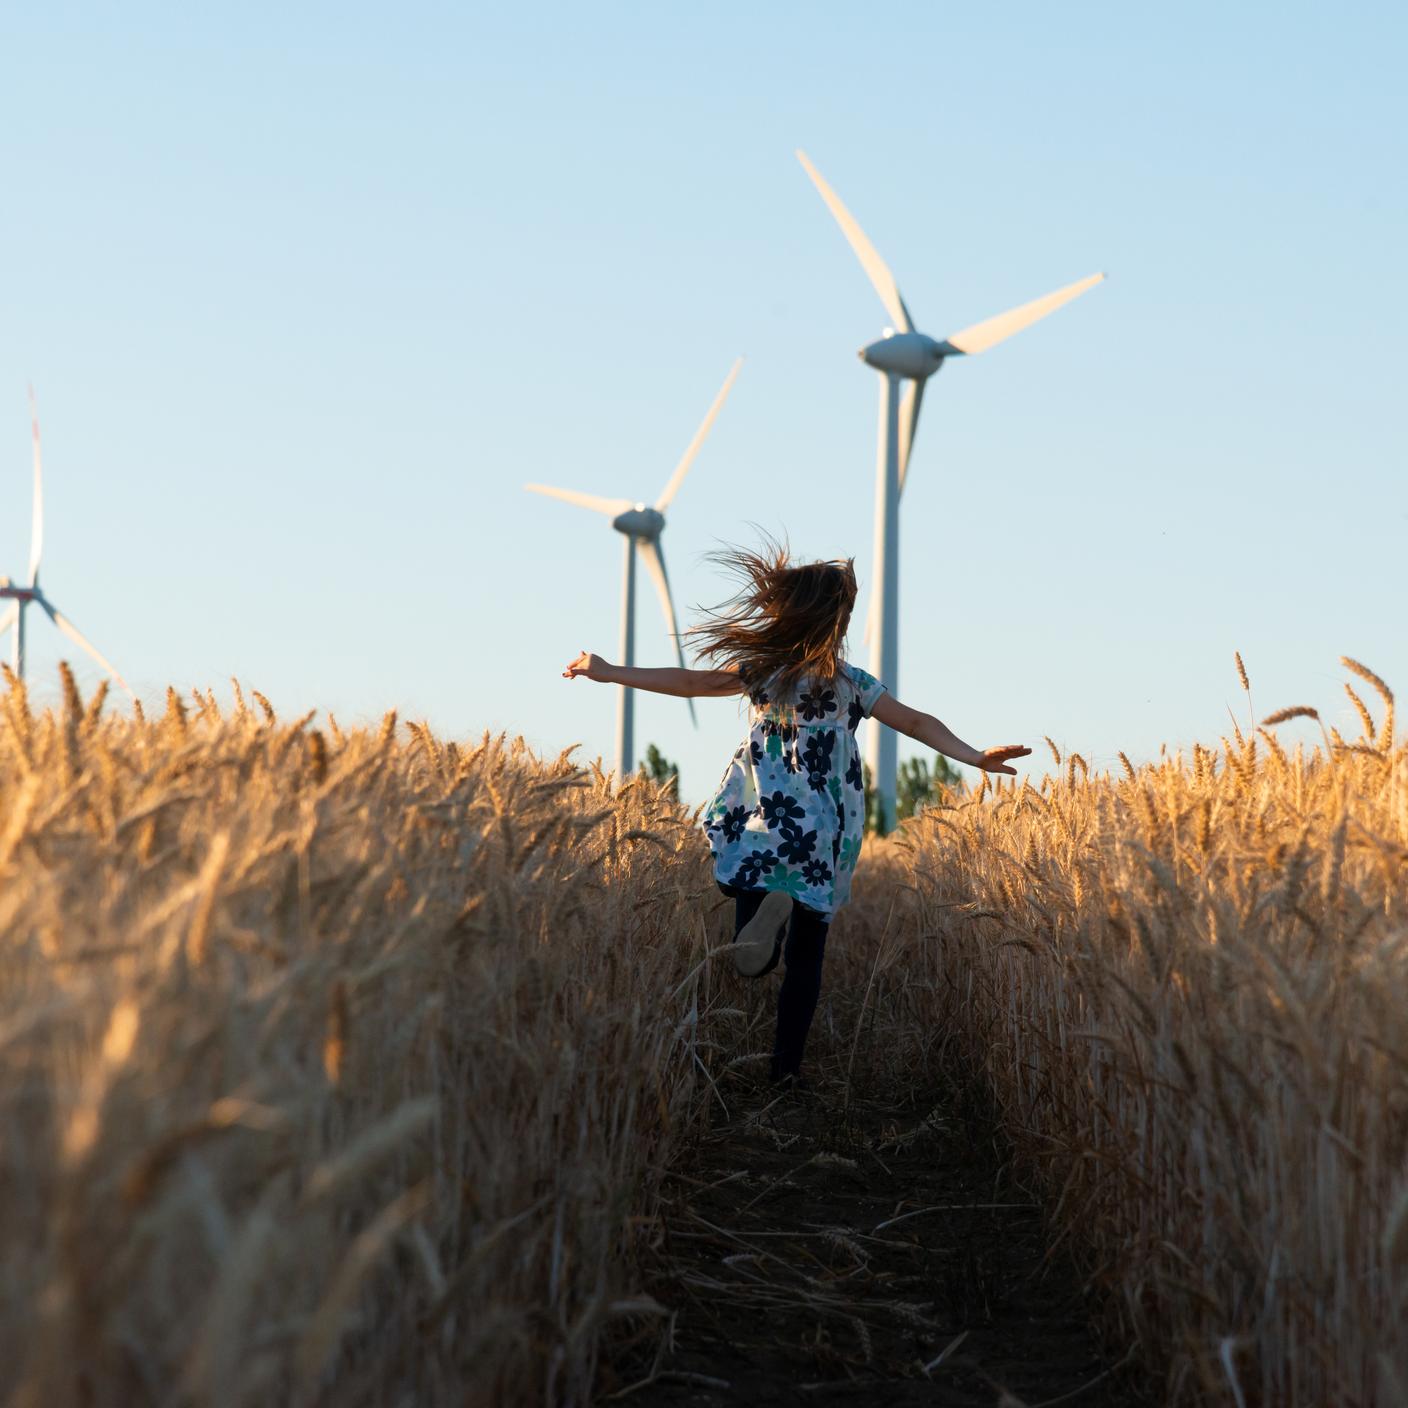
(817, 754)
(779, 819)
(796, 845)
(817, 703)
(867, 688)
(754, 866)
(854, 775)
(790, 882)
(817, 757)
(780, 808)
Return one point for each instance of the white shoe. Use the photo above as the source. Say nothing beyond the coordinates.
(759, 943)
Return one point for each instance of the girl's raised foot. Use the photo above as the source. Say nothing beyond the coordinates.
(759, 943)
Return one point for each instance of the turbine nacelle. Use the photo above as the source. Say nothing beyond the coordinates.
(904, 353)
(642, 521)
(642, 524)
(25, 595)
(909, 354)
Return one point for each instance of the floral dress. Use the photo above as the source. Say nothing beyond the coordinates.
(790, 810)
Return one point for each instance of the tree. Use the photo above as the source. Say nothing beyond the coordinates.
(661, 771)
(874, 825)
(917, 786)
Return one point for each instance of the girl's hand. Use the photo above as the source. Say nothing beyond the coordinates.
(592, 666)
(995, 759)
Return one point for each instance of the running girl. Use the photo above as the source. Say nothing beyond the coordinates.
(785, 824)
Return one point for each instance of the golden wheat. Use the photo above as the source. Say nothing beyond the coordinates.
(344, 1066)
(321, 1054)
(1295, 711)
(1189, 1015)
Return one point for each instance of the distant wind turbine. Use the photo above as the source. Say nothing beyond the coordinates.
(905, 354)
(21, 597)
(642, 526)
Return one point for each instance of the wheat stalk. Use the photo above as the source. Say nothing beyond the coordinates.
(1296, 711)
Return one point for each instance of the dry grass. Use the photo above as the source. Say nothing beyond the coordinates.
(336, 1067)
(1184, 986)
(344, 1066)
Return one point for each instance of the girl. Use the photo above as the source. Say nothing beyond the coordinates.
(785, 823)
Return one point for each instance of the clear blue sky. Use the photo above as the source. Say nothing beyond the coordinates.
(308, 292)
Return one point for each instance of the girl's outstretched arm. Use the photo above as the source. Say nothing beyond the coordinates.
(926, 729)
(688, 684)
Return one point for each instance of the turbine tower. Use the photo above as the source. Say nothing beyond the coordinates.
(21, 597)
(642, 526)
(905, 355)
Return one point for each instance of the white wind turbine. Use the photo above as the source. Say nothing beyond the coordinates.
(642, 526)
(20, 597)
(903, 354)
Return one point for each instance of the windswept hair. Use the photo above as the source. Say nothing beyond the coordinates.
(786, 622)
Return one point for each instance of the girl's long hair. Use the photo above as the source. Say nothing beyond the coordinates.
(786, 622)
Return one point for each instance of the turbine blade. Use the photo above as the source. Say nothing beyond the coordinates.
(692, 449)
(610, 507)
(655, 564)
(79, 639)
(870, 619)
(36, 532)
(876, 269)
(10, 617)
(909, 423)
(987, 334)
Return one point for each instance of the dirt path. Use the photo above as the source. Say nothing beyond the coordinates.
(874, 1254)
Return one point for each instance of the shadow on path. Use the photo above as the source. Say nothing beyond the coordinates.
(817, 1253)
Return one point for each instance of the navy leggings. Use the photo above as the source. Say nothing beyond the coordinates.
(801, 985)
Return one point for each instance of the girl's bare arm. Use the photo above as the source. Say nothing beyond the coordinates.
(688, 684)
(933, 733)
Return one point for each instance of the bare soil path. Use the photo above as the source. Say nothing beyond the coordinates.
(822, 1252)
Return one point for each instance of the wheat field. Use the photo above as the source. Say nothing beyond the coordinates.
(1184, 987)
(329, 1059)
(346, 1066)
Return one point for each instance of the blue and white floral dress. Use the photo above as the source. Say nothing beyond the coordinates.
(790, 810)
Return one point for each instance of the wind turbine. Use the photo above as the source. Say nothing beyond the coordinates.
(903, 354)
(21, 597)
(642, 526)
